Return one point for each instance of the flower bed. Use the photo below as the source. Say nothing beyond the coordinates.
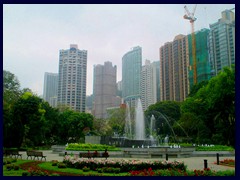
(227, 162)
(124, 165)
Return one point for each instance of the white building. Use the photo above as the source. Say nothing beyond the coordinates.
(72, 78)
(149, 84)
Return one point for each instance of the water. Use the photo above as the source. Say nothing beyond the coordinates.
(128, 124)
(152, 125)
(139, 121)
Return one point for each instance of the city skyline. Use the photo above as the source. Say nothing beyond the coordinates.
(33, 35)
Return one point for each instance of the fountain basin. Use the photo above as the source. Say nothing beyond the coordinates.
(158, 152)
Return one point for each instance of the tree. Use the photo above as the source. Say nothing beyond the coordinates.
(116, 120)
(165, 113)
(212, 109)
(11, 94)
(11, 87)
(28, 112)
(72, 125)
(101, 127)
(221, 104)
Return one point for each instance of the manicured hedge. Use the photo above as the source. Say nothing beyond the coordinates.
(214, 148)
(90, 147)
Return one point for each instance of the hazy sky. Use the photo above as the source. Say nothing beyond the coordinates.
(34, 34)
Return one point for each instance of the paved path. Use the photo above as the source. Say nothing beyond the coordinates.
(191, 162)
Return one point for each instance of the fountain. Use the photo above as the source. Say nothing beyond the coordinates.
(139, 122)
(135, 143)
(128, 124)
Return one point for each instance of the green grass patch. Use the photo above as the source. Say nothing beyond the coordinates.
(48, 166)
(214, 148)
(14, 172)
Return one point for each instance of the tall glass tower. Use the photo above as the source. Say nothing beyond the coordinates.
(50, 87)
(131, 75)
(222, 42)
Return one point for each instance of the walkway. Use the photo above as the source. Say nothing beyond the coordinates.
(191, 162)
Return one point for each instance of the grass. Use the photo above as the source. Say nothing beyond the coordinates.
(72, 171)
(214, 148)
(48, 166)
(14, 172)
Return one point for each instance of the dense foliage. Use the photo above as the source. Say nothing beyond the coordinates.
(29, 121)
(207, 116)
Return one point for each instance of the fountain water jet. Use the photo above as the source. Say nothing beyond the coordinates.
(128, 124)
(139, 122)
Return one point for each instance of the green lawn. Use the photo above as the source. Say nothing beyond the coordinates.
(48, 166)
(14, 172)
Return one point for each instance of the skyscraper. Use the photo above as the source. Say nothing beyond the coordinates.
(166, 72)
(149, 83)
(180, 65)
(156, 66)
(104, 88)
(173, 70)
(222, 42)
(202, 57)
(72, 78)
(50, 87)
(131, 75)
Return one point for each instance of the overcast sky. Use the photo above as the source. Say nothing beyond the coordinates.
(34, 34)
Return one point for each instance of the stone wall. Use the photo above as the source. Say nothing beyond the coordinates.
(93, 139)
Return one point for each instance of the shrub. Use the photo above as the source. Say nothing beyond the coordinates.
(36, 172)
(9, 167)
(86, 169)
(61, 165)
(13, 160)
(25, 174)
(55, 174)
(144, 172)
(99, 170)
(90, 147)
(214, 148)
(16, 167)
(12, 166)
(117, 170)
(54, 162)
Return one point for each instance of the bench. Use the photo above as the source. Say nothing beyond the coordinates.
(12, 153)
(94, 155)
(35, 154)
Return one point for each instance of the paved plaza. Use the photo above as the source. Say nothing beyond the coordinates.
(191, 162)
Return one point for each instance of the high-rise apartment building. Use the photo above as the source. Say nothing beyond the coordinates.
(166, 72)
(222, 42)
(50, 87)
(202, 57)
(72, 78)
(173, 70)
(131, 75)
(104, 89)
(180, 65)
(149, 84)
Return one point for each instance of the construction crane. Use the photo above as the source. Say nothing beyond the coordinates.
(190, 16)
